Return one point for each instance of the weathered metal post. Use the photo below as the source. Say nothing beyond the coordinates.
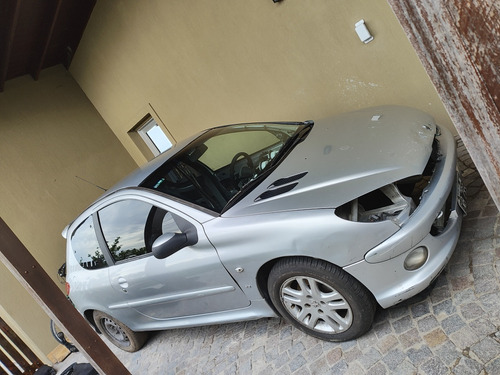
(468, 88)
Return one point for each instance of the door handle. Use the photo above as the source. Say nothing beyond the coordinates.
(123, 283)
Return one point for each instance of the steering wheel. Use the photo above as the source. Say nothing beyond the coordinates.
(250, 165)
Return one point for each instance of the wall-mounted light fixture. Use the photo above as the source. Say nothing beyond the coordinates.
(363, 32)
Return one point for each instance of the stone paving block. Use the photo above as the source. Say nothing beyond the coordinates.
(443, 309)
(493, 367)
(398, 311)
(405, 368)
(382, 329)
(394, 358)
(313, 353)
(440, 296)
(296, 349)
(420, 309)
(490, 301)
(334, 356)
(464, 338)
(417, 356)
(402, 325)
(471, 311)
(434, 366)
(435, 338)
(352, 355)
(486, 350)
(452, 324)
(319, 367)
(339, 368)
(410, 338)
(427, 323)
(368, 340)
(485, 287)
(346, 345)
(467, 366)
(369, 358)
(378, 369)
(387, 343)
(483, 327)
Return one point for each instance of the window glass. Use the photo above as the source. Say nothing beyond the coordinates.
(123, 224)
(217, 166)
(169, 225)
(154, 136)
(159, 139)
(221, 150)
(85, 246)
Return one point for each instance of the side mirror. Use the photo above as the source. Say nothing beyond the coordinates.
(170, 243)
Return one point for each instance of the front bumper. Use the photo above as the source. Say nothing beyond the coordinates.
(382, 270)
(391, 283)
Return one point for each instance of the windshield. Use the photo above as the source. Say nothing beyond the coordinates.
(218, 165)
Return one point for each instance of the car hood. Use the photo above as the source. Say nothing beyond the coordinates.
(344, 157)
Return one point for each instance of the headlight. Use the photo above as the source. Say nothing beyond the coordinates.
(416, 258)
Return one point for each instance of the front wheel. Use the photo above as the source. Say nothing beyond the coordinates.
(118, 333)
(321, 299)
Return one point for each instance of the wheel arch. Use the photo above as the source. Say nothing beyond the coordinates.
(265, 269)
(263, 277)
(89, 315)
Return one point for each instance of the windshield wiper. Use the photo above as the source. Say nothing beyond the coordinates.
(291, 142)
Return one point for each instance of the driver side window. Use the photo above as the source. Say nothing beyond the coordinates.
(130, 227)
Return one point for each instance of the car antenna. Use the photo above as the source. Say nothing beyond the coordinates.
(91, 183)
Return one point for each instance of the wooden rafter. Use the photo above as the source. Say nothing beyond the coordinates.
(11, 9)
(39, 60)
(38, 34)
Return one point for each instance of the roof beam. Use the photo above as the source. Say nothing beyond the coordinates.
(39, 60)
(10, 19)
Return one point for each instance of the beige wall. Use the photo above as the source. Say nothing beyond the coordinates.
(205, 63)
(49, 133)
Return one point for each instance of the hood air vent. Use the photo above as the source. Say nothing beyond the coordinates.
(281, 186)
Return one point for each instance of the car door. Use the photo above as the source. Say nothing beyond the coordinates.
(192, 281)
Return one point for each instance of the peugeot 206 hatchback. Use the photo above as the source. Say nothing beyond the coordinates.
(317, 222)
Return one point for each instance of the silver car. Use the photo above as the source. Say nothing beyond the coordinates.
(316, 222)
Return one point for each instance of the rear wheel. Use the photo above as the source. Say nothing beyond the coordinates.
(118, 333)
(321, 299)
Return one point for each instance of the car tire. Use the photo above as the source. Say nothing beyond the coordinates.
(321, 299)
(118, 333)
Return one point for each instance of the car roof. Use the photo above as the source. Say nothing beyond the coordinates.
(140, 174)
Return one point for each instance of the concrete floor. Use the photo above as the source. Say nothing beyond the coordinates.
(451, 328)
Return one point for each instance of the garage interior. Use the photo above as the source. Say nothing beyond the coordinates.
(77, 77)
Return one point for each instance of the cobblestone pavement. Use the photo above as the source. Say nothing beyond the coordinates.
(451, 328)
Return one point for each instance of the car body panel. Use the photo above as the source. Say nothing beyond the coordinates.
(249, 242)
(431, 203)
(290, 212)
(190, 282)
(357, 154)
(399, 284)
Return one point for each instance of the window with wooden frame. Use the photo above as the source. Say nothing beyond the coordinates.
(150, 137)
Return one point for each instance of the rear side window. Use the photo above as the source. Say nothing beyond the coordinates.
(123, 224)
(86, 247)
